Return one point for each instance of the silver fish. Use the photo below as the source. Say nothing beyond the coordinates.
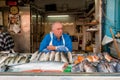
(42, 57)
(22, 60)
(42, 66)
(7, 60)
(63, 57)
(101, 67)
(34, 56)
(52, 56)
(118, 67)
(3, 58)
(47, 55)
(70, 57)
(17, 59)
(89, 68)
(57, 57)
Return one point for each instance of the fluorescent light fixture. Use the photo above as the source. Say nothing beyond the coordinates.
(58, 16)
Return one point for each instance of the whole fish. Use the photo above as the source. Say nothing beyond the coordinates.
(3, 58)
(42, 57)
(40, 66)
(47, 55)
(34, 56)
(22, 60)
(89, 68)
(63, 57)
(110, 68)
(17, 59)
(118, 67)
(52, 56)
(70, 57)
(75, 68)
(57, 56)
(101, 67)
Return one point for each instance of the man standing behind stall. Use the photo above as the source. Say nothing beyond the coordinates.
(56, 40)
(6, 41)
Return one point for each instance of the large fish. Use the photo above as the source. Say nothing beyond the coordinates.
(38, 66)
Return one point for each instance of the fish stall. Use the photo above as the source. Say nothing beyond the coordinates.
(61, 66)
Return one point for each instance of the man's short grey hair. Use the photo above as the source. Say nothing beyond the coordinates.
(52, 26)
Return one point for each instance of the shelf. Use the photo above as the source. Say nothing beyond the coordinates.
(92, 30)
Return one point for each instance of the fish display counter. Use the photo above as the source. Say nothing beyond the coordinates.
(59, 66)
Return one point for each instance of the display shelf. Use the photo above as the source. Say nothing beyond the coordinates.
(92, 30)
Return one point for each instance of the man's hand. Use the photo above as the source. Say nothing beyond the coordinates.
(51, 47)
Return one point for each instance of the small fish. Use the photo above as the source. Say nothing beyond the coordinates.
(42, 57)
(101, 67)
(118, 67)
(75, 68)
(70, 57)
(22, 60)
(52, 56)
(110, 68)
(63, 57)
(89, 68)
(47, 55)
(34, 56)
(57, 57)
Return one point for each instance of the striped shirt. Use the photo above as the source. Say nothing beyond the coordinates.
(6, 41)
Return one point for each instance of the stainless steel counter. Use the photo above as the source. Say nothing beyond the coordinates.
(59, 76)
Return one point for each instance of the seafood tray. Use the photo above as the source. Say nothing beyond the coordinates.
(95, 63)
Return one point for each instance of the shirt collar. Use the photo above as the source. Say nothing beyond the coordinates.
(56, 37)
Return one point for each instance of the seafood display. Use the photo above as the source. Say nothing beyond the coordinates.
(52, 56)
(58, 62)
(101, 62)
(38, 67)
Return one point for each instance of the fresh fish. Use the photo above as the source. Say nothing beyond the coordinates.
(110, 68)
(42, 57)
(7, 60)
(102, 68)
(22, 60)
(34, 56)
(70, 57)
(41, 66)
(52, 56)
(89, 68)
(57, 56)
(3, 58)
(2, 67)
(107, 56)
(118, 67)
(75, 68)
(47, 55)
(17, 59)
(63, 57)
(12, 60)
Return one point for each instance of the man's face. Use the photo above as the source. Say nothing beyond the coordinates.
(57, 30)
